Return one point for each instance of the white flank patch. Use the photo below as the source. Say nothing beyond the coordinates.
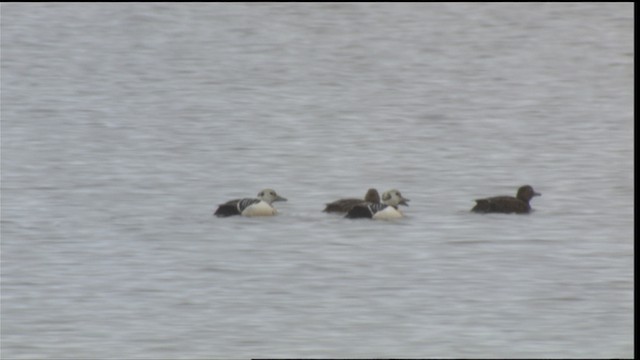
(388, 213)
(259, 209)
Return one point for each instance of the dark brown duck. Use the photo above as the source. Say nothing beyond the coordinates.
(344, 205)
(507, 204)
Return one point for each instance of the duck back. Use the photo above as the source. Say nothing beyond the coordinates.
(501, 204)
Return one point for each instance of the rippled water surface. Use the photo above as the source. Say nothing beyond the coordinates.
(125, 125)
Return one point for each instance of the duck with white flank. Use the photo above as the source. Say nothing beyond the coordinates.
(344, 205)
(260, 206)
(507, 204)
(386, 211)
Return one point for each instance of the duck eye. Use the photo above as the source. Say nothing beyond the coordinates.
(273, 193)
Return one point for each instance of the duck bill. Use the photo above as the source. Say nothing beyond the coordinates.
(536, 194)
(280, 198)
(404, 202)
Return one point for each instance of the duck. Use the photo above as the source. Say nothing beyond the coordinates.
(507, 204)
(259, 206)
(344, 205)
(387, 210)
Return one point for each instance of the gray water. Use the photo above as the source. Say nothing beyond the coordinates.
(125, 125)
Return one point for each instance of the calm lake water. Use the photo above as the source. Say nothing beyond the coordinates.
(125, 125)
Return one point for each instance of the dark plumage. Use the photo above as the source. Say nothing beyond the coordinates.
(365, 211)
(507, 204)
(234, 207)
(229, 208)
(344, 205)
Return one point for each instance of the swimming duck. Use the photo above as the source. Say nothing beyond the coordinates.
(507, 204)
(388, 210)
(344, 205)
(260, 206)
